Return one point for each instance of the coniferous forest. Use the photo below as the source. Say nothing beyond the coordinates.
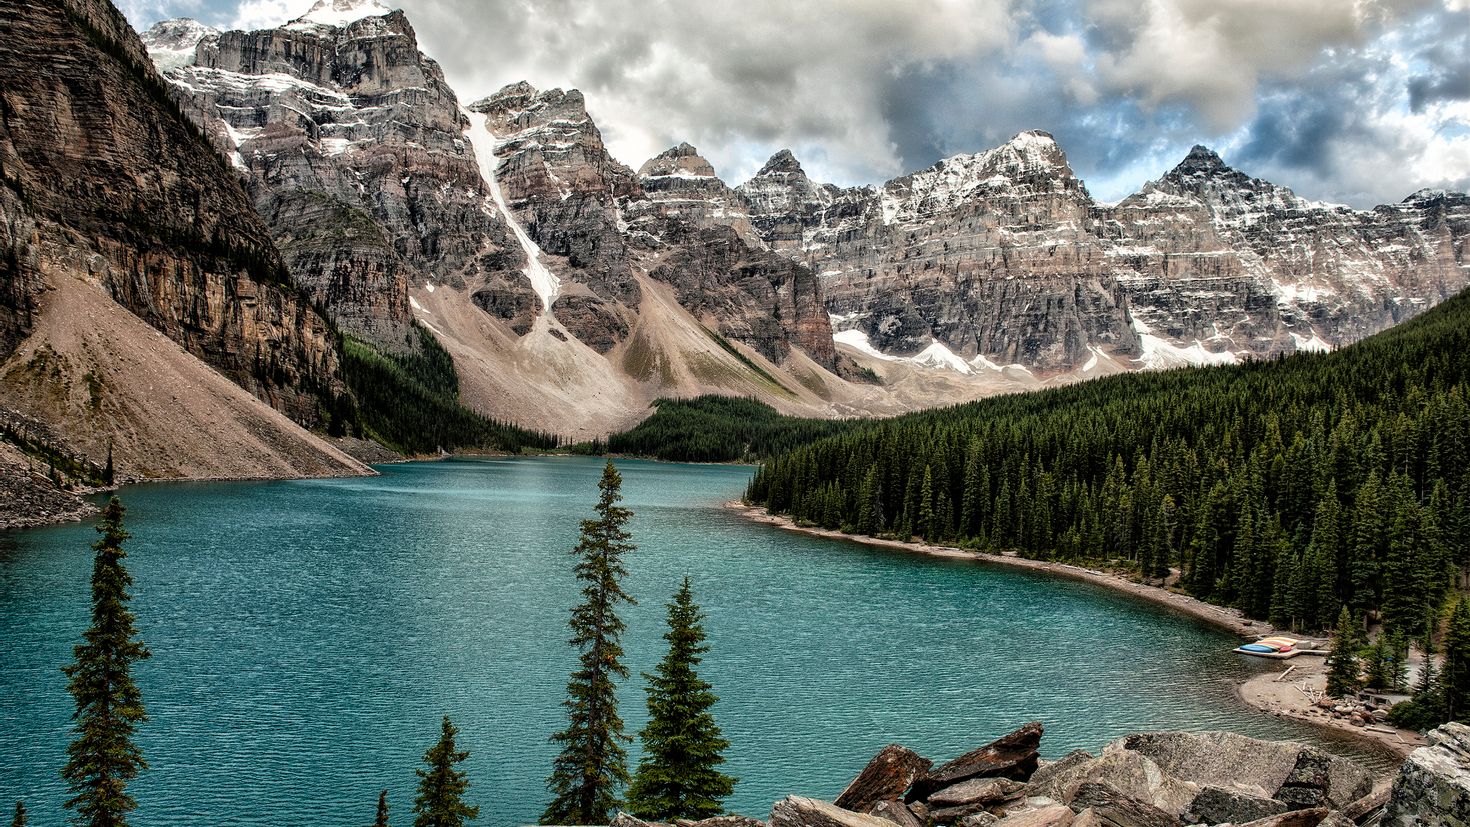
(1289, 488)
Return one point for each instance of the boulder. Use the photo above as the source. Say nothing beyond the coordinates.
(1114, 809)
(950, 805)
(623, 819)
(1012, 756)
(1315, 817)
(886, 778)
(980, 819)
(1135, 777)
(977, 791)
(1054, 815)
(1254, 766)
(1087, 818)
(721, 821)
(896, 812)
(1433, 785)
(1216, 805)
(1053, 777)
(795, 811)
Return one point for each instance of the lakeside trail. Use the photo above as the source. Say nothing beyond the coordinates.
(1263, 692)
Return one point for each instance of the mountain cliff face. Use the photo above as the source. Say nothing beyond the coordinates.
(112, 210)
(1003, 257)
(353, 150)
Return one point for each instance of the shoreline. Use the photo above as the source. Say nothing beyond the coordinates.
(1263, 692)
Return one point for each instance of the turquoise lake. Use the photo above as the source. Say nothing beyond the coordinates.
(308, 635)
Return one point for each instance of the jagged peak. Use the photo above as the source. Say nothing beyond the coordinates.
(341, 12)
(682, 160)
(782, 161)
(1202, 159)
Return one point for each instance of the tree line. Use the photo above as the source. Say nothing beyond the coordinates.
(1290, 488)
(678, 776)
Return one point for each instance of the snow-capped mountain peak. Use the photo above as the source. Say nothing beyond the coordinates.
(339, 12)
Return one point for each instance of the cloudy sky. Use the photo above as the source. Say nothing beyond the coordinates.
(1355, 101)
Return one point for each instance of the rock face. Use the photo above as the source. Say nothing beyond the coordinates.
(886, 778)
(1003, 257)
(354, 149)
(104, 188)
(1433, 787)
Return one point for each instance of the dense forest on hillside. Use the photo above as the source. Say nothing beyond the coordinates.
(411, 403)
(1287, 488)
(719, 429)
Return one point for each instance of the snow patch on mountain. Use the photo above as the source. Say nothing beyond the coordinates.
(1161, 354)
(338, 13)
(543, 281)
(172, 43)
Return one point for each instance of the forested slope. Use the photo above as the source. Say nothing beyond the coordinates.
(1288, 488)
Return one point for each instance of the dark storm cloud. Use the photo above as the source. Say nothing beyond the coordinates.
(1303, 91)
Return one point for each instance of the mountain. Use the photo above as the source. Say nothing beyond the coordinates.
(145, 316)
(1003, 257)
(552, 276)
(562, 280)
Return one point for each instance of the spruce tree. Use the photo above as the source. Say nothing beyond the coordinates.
(592, 767)
(20, 815)
(1455, 679)
(1342, 674)
(382, 818)
(682, 746)
(102, 758)
(440, 802)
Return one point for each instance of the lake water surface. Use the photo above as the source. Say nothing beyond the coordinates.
(308, 635)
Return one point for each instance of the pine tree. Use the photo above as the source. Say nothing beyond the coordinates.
(682, 747)
(440, 802)
(102, 759)
(1455, 679)
(1343, 669)
(1376, 663)
(592, 766)
(382, 818)
(20, 815)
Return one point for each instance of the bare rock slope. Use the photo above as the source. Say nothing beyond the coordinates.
(125, 236)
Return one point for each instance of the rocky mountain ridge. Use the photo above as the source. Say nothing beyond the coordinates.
(1003, 257)
(599, 288)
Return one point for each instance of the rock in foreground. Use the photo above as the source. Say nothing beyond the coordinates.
(1433, 787)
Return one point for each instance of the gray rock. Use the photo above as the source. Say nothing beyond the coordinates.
(980, 819)
(721, 821)
(1053, 777)
(1135, 777)
(886, 778)
(1115, 809)
(1433, 786)
(977, 790)
(624, 819)
(1053, 815)
(1315, 817)
(1215, 805)
(796, 811)
(1254, 766)
(896, 812)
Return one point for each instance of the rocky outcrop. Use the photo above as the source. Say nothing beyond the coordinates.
(795, 811)
(1433, 786)
(104, 182)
